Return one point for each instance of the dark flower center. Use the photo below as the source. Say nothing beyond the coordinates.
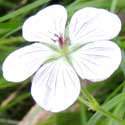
(60, 39)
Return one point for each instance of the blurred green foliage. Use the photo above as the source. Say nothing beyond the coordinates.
(109, 93)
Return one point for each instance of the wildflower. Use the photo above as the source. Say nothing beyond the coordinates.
(58, 57)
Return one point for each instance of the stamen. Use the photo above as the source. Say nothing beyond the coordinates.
(61, 41)
(59, 38)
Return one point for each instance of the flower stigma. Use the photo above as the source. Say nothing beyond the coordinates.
(63, 44)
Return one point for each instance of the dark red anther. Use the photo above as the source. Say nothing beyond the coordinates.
(61, 41)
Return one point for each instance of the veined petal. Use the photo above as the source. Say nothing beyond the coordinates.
(96, 61)
(46, 25)
(55, 86)
(92, 24)
(22, 63)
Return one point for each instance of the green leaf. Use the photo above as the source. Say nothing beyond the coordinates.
(107, 106)
(23, 10)
(68, 118)
(19, 99)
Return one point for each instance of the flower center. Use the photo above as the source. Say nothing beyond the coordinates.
(59, 38)
(63, 43)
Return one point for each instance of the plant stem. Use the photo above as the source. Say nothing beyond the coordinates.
(110, 115)
(92, 103)
(113, 5)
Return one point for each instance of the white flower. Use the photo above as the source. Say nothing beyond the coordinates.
(58, 58)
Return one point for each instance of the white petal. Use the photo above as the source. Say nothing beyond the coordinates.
(45, 24)
(97, 61)
(55, 86)
(22, 63)
(92, 24)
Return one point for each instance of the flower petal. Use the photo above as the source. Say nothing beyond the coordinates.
(96, 61)
(92, 24)
(22, 63)
(55, 86)
(46, 24)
